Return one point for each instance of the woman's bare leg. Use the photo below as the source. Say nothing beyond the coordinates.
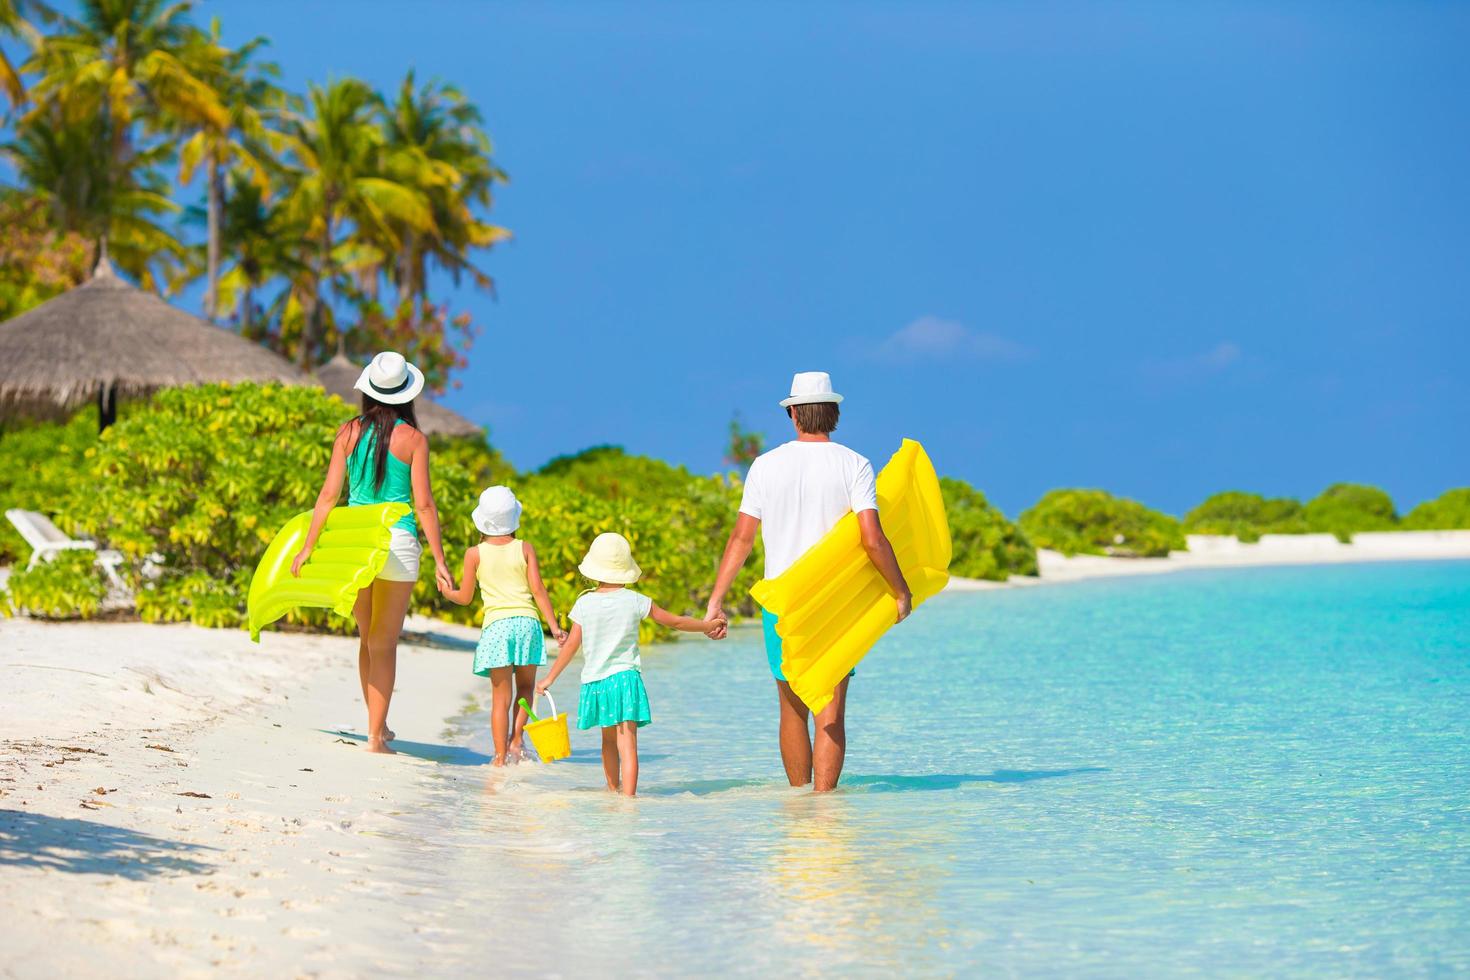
(499, 710)
(362, 614)
(829, 747)
(610, 756)
(390, 605)
(525, 688)
(628, 750)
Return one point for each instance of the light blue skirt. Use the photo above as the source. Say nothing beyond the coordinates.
(617, 698)
(515, 641)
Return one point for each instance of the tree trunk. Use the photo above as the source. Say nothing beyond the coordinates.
(211, 289)
(312, 328)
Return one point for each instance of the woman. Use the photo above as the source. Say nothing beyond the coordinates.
(385, 459)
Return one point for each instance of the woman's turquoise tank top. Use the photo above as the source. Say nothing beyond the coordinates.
(397, 486)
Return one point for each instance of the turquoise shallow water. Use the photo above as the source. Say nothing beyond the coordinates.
(1256, 771)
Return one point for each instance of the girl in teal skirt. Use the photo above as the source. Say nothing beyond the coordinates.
(605, 627)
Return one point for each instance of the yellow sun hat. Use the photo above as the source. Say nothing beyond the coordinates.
(610, 559)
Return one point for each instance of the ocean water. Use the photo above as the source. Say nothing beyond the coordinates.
(1260, 771)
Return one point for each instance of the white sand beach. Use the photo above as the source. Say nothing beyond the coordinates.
(1218, 551)
(170, 802)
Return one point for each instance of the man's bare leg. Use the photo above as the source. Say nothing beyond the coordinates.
(829, 746)
(796, 742)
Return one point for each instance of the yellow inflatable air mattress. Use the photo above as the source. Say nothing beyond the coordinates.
(832, 605)
(349, 554)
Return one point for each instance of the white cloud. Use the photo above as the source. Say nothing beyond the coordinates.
(1223, 356)
(930, 337)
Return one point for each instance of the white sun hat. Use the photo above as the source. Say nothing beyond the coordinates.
(390, 379)
(809, 387)
(610, 559)
(498, 512)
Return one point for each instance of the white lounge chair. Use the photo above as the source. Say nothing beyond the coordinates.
(47, 541)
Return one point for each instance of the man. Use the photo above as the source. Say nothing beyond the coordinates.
(794, 495)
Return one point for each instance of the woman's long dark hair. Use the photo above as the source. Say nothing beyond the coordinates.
(380, 418)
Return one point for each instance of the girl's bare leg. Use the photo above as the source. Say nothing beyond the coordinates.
(390, 605)
(525, 688)
(627, 748)
(610, 756)
(499, 710)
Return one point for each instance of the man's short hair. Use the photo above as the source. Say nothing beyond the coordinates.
(815, 418)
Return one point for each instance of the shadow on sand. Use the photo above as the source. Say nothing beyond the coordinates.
(84, 847)
(449, 755)
(888, 783)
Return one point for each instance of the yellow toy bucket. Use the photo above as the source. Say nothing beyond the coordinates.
(549, 735)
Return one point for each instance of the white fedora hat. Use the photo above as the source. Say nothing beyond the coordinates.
(390, 379)
(809, 387)
(610, 559)
(499, 512)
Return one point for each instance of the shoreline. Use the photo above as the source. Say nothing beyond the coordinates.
(179, 800)
(1217, 551)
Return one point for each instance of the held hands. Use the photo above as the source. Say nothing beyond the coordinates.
(717, 622)
(442, 578)
(298, 561)
(558, 634)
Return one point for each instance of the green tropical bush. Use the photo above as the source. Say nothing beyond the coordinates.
(474, 454)
(1246, 515)
(1344, 509)
(986, 545)
(70, 586)
(1095, 522)
(41, 472)
(676, 522)
(201, 479)
(1450, 511)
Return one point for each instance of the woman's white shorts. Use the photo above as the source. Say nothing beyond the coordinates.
(403, 557)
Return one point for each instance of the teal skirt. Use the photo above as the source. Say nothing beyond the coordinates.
(617, 698)
(515, 641)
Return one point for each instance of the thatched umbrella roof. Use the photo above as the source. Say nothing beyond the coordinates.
(339, 374)
(107, 339)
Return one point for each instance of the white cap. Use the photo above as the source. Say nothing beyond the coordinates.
(498, 512)
(808, 387)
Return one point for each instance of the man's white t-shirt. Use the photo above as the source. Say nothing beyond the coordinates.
(799, 490)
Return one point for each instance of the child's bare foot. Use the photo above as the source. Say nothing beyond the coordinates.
(499, 760)
(515, 751)
(389, 734)
(380, 746)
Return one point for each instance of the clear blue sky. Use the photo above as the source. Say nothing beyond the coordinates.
(1160, 248)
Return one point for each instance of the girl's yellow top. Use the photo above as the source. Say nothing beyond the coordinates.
(503, 585)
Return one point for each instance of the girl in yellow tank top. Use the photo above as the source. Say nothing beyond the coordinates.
(511, 646)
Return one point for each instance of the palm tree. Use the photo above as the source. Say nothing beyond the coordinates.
(112, 68)
(67, 167)
(252, 104)
(436, 142)
(260, 243)
(341, 187)
(13, 22)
